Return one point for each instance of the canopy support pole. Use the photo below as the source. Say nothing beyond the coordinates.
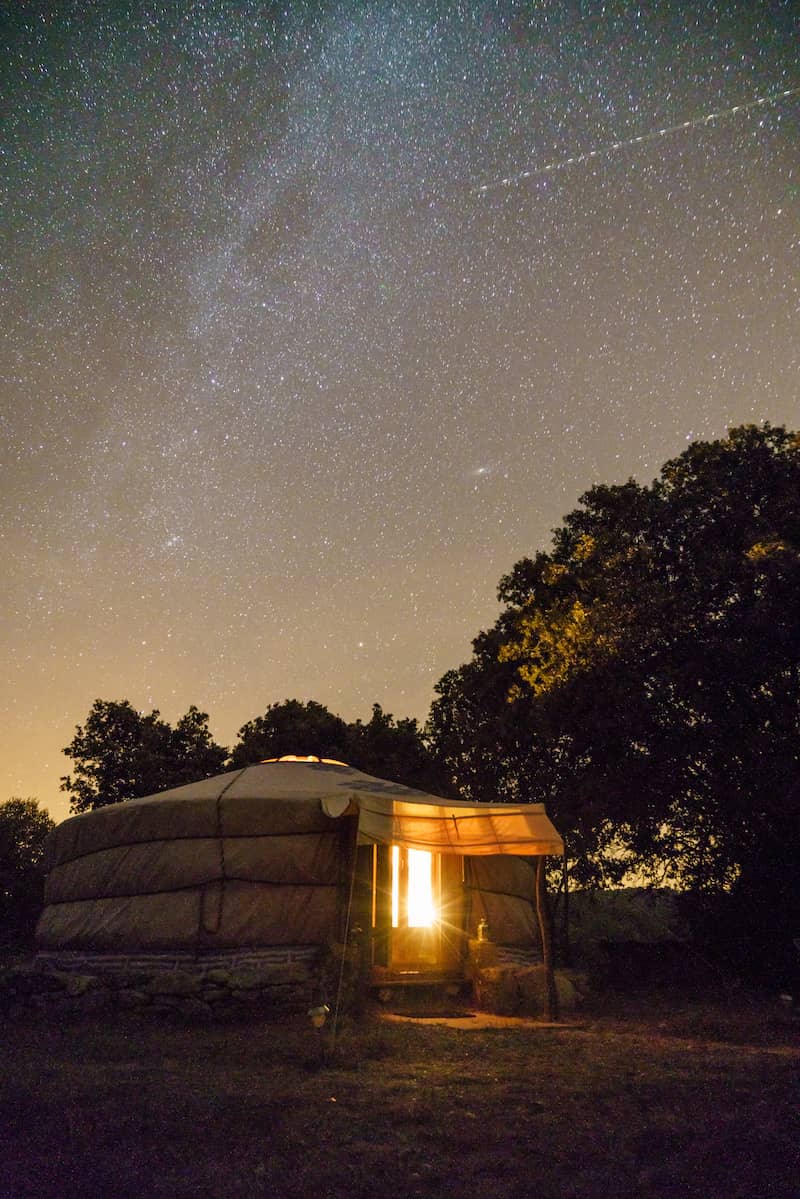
(346, 939)
(545, 932)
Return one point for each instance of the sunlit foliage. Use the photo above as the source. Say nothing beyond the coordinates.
(644, 677)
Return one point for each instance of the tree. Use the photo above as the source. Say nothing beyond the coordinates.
(383, 746)
(120, 754)
(496, 744)
(291, 727)
(23, 829)
(393, 750)
(649, 666)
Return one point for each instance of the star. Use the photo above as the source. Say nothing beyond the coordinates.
(319, 317)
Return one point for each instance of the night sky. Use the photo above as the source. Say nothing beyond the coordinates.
(291, 376)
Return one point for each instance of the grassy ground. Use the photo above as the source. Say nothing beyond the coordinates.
(649, 1100)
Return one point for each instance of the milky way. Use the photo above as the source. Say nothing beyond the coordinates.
(318, 317)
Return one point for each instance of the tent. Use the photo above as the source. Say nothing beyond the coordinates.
(285, 853)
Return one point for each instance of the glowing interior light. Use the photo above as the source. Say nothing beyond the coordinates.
(304, 758)
(395, 886)
(421, 911)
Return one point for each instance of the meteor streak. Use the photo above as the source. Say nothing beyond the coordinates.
(611, 147)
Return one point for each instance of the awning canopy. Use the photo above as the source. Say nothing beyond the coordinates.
(389, 813)
(468, 829)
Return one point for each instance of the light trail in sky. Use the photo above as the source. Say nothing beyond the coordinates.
(295, 389)
(612, 147)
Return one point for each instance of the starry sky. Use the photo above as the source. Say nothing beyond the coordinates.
(318, 316)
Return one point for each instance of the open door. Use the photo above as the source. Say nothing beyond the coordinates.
(414, 904)
(416, 907)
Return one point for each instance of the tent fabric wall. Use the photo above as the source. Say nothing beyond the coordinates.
(243, 914)
(221, 863)
(259, 857)
(159, 866)
(502, 891)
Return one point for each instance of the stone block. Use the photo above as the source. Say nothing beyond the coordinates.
(90, 1002)
(218, 977)
(532, 986)
(195, 1008)
(166, 1003)
(246, 998)
(23, 980)
(80, 984)
(496, 990)
(214, 994)
(248, 980)
(253, 978)
(173, 984)
(129, 998)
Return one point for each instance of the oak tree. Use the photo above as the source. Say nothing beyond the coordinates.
(120, 753)
(644, 677)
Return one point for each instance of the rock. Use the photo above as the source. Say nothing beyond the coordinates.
(173, 984)
(532, 986)
(90, 1002)
(26, 980)
(218, 977)
(214, 994)
(79, 984)
(496, 990)
(196, 1009)
(245, 997)
(521, 990)
(252, 978)
(128, 998)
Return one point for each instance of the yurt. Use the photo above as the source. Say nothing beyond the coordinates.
(282, 858)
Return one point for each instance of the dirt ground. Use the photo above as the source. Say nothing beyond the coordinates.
(652, 1099)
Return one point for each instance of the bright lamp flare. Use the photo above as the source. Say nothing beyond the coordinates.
(421, 909)
(395, 886)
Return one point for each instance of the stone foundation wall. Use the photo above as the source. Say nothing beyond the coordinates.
(200, 989)
(83, 962)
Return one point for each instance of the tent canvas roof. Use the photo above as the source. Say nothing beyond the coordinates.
(387, 812)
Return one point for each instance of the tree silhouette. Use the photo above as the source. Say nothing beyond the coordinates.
(120, 753)
(644, 678)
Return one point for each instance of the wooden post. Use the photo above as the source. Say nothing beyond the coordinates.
(551, 992)
(566, 944)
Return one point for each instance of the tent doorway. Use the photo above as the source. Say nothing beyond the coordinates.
(416, 909)
(413, 903)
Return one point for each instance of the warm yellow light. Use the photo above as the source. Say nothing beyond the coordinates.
(306, 758)
(412, 888)
(421, 910)
(395, 886)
